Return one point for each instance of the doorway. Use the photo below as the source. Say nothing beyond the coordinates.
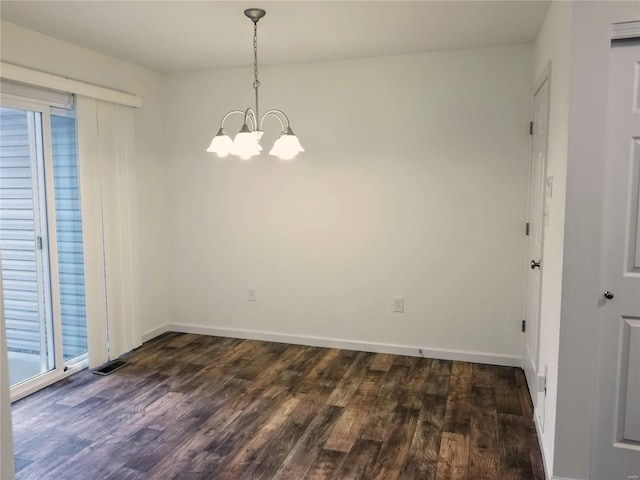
(535, 232)
(24, 245)
(41, 241)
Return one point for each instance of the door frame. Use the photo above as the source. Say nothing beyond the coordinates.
(545, 76)
(46, 182)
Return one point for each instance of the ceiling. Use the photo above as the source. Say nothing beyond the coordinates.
(170, 36)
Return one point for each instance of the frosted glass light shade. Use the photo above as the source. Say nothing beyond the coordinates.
(221, 144)
(246, 144)
(287, 146)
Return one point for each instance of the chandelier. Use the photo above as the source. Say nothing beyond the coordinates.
(246, 143)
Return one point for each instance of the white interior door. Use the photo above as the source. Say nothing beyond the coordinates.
(616, 438)
(536, 233)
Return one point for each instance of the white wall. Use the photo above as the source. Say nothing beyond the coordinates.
(34, 50)
(6, 437)
(413, 184)
(553, 45)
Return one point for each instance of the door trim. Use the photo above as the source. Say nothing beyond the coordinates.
(545, 76)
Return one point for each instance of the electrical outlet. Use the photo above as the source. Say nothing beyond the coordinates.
(398, 304)
(252, 294)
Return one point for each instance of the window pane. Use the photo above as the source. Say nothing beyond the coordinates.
(69, 234)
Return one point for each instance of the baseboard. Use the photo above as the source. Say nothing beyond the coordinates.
(544, 458)
(146, 336)
(414, 351)
(540, 444)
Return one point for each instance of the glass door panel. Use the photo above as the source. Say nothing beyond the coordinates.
(23, 246)
(69, 235)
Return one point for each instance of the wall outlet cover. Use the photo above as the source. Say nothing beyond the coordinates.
(398, 304)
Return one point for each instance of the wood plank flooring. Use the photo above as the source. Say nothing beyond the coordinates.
(200, 407)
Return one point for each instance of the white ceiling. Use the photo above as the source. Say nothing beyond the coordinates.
(169, 36)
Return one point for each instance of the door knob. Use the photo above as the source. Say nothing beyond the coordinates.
(608, 295)
(535, 264)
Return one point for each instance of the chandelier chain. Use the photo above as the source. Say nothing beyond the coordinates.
(256, 82)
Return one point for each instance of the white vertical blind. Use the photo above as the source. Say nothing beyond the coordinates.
(106, 148)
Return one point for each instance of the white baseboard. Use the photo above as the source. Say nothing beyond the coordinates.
(146, 336)
(414, 351)
(544, 458)
(541, 445)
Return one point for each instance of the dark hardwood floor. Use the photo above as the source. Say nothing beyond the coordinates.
(200, 407)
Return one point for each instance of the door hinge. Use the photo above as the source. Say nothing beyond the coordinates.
(542, 384)
(524, 326)
(39, 242)
(526, 228)
(530, 128)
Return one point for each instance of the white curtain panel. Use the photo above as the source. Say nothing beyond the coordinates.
(106, 147)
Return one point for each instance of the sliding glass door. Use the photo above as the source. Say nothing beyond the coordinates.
(40, 243)
(24, 245)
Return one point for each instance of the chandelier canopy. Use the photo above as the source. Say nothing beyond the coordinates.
(246, 143)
